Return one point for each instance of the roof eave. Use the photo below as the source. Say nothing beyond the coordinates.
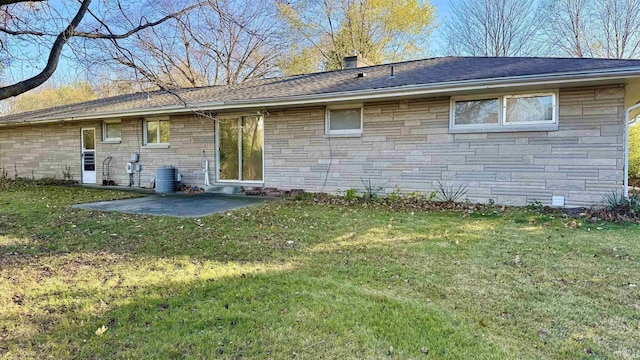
(358, 95)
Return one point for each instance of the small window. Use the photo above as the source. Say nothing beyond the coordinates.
(509, 112)
(111, 130)
(344, 121)
(156, 131)
(528, 109)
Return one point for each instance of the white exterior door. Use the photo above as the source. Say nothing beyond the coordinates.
(88, 138)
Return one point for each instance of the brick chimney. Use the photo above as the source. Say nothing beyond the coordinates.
(356, 61)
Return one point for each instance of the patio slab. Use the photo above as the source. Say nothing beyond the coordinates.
(178, 205)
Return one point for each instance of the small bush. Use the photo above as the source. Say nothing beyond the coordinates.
(66, 173)
(451, 193)
(616, 203)
(303, 196)
(351, 194)
(371, 191)
(535, 205)
(614, 199)
(395, 195)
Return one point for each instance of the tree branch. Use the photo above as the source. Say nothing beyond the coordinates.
(9, 2)
(136, 29)
(22, 32)
(52, 62)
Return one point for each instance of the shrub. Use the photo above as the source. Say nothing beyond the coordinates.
(351, 194)
(616, 202)
(450, 193)
(614, 199)
(371, 191)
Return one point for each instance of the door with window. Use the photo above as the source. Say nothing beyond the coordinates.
(88, 154)
(240, 149)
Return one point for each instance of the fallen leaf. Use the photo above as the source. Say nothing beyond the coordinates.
(101, 330)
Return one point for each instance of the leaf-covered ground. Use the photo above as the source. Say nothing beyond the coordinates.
(296, 280)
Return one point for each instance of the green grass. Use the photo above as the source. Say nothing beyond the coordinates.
(296, 280)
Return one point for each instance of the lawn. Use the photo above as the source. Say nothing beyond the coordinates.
(289, 279)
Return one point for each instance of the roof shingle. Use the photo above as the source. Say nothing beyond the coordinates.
(417, 72)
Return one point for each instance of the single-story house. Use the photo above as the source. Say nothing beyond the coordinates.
(511, 130)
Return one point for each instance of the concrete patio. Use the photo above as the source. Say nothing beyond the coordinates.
(178, 205)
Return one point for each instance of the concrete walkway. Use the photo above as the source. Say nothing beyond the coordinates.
(178, 205)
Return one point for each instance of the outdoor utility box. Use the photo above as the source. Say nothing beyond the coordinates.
(166, 179)
(129, 168)
(557, 201)
(135, 157)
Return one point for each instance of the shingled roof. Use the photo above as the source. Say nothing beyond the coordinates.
(410, 74)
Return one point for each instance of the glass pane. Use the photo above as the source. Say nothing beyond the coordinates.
(477, 112)
(88, 139)
(164, 131)
(529, 109)
(252, 135)
(344, 119)
(228, 149)
(113, 130)
(152, 132)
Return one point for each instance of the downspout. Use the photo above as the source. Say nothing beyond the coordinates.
(626, 148)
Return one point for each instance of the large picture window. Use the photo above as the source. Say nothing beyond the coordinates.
(156, 131)
(512, 112)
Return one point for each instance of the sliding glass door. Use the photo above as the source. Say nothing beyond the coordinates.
(240, 148)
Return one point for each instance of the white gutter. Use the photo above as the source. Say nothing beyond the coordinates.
(359, 95)
(626, 148)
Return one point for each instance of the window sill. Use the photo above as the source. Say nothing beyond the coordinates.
(347, 135)
(114, 141)
(501, 129)
(156, 146)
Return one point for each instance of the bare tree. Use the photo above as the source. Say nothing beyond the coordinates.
(492, 28)
(33, 24)
(222, 42)
(620, 24)
(588, 28)
(566, 26)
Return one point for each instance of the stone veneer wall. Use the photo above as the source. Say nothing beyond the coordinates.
(407, 145)
(44, 150)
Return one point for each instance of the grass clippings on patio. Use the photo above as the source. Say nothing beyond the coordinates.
(298, 280)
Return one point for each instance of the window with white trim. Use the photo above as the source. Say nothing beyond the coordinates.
(156, 131)
(508, 112)
(111, 130)
(477, 112)
(344, 121)
(529, 109)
